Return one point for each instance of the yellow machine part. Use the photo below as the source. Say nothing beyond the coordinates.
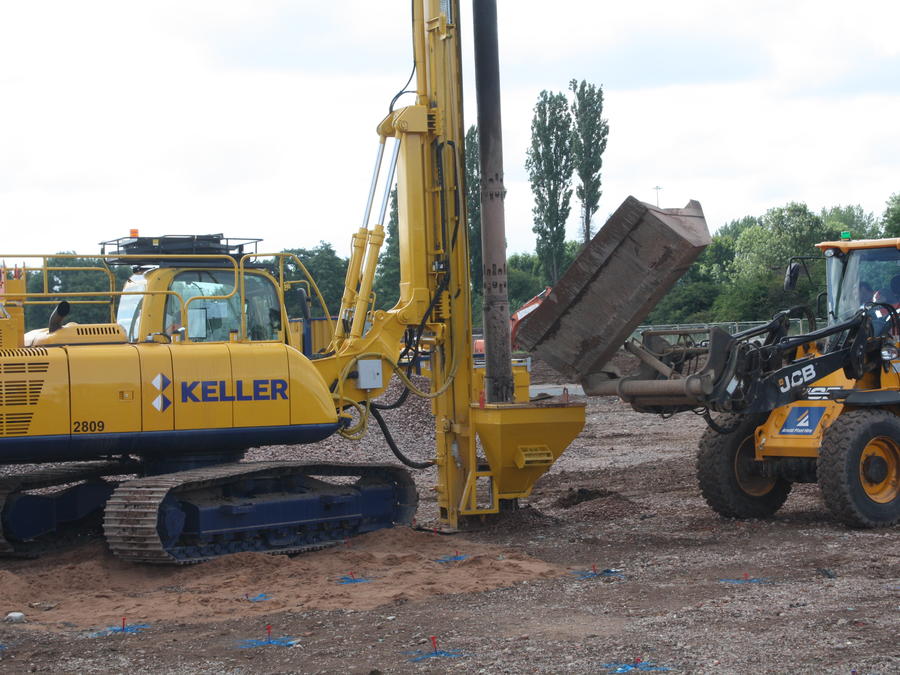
(520, 443)
(521, 381)
(796, 429)
(12, 314)
(156, 387)
(34, 392)
(107, 378)
(322, 330)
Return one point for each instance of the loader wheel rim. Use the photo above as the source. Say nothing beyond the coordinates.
(748, 480)
(879, 469)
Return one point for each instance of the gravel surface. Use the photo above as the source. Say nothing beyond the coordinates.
(811, 595)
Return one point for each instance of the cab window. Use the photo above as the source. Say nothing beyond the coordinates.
(213, 319)
(128, 314)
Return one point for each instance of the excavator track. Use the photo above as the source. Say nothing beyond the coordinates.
(48, 478)
(135, 514)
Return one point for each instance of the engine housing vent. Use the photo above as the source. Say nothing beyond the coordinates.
(15, 424)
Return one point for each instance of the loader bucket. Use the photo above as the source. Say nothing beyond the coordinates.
(614, 283)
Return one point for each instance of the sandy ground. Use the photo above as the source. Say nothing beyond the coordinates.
(811, 596)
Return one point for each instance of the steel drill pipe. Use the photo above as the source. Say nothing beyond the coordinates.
(498, 379)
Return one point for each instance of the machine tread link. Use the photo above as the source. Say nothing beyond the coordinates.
(13, 485)
(160, 519)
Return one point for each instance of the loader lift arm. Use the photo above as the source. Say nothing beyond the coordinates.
(738, 374)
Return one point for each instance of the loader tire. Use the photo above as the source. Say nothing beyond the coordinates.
(724, 471)
(859, 468)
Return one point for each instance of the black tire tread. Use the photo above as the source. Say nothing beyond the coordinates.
(715, 472)
(831, 466)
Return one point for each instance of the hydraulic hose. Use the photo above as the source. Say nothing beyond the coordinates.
(411, 463)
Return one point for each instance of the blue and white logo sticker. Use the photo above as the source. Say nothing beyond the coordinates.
(802, 421)
(161, 402)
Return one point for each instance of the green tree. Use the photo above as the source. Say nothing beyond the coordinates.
(890, 221)
(761, 253)
(570, 252)
(523, 272)
(473, 206)
(716, 263)
(588, 145)
(688, 302)
(853, 219)
(791, 230)
(387, 276)
(550, 164)
(327, 269)
(750, 299)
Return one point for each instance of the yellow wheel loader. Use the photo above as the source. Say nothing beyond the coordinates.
(820, 407)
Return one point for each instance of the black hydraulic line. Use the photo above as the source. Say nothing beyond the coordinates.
(396, 404)
(456, 194)
(411, 463)
(439, 167)
(718, 429)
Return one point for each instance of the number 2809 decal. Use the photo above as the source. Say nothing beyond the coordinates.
(87, 426)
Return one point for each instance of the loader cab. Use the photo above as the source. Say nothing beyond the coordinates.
(866, 271)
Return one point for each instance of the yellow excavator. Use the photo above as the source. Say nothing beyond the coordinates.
(197, 364)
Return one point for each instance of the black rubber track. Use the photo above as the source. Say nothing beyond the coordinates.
(838, 468)
(715, 472)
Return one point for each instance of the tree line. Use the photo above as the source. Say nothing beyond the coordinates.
(737, 278)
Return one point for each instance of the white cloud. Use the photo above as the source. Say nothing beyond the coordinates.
(257, 119)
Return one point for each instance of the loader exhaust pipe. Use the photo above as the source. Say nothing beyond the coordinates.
(56, 318)
(498, 377)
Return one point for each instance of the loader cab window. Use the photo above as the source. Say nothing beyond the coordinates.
(128, 314)
(853, 276)
(212, 319)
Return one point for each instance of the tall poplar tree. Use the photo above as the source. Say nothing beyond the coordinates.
(550, 164)
(588, 144)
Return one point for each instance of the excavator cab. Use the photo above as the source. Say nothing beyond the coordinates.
(213, 308)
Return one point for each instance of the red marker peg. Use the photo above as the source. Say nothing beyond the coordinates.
(746, 575)
(434, 643)
(594, 569)
(435, 532)
(638, 660)
(123, 624)
(269, 631)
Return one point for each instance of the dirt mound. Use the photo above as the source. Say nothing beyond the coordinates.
(88, 587)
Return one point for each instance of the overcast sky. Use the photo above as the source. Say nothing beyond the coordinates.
(257, 118)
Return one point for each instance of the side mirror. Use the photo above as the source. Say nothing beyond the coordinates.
(791, 275)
